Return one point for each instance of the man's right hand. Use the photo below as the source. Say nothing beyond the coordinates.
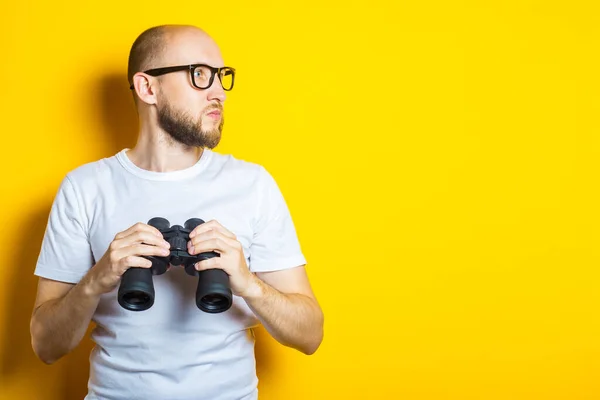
(125, 251)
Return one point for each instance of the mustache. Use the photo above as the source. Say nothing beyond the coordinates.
(214, 107)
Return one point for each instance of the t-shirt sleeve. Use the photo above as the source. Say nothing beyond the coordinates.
(65, 253)
(275, 244)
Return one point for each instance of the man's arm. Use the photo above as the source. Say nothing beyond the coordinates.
(63, 311)
(61, 316)
(285, 304)
(282, 300)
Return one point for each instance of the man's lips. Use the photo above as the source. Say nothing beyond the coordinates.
(215, 114)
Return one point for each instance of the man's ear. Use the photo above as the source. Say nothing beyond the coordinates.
(144, 88)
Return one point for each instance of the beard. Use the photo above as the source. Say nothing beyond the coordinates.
(183, 129)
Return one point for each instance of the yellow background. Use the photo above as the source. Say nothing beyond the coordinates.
(440, 159)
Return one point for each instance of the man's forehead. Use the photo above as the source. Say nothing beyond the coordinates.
(189, 48)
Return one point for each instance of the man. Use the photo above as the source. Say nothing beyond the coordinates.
(98, 229)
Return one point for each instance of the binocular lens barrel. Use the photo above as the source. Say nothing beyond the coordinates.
(136, 292)
(213, 294)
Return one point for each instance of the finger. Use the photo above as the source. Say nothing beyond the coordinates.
(208, 235)
(212, 225)
(139, 249)
(133, 261)
(219, 244)
(209, 263)
(142, 237)
(140, 226)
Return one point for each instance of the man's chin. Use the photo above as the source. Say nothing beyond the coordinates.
(212, 139)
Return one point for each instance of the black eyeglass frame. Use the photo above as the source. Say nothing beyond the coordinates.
(191, 67)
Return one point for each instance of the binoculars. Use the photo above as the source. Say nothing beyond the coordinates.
(213, 294)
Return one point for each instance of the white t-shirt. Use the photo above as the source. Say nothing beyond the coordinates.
(172, 350)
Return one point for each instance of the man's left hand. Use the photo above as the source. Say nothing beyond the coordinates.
(212, 236)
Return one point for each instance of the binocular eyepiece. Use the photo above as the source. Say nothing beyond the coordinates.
(213, 294)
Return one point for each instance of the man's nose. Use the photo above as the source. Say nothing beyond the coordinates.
(216, 91)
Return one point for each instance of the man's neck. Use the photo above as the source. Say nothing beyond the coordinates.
(163, 156)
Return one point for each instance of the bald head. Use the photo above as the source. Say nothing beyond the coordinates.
(153, 47)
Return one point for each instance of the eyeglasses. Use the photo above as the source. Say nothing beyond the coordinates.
(202, 75)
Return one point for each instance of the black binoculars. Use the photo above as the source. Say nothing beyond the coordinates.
(213, 294)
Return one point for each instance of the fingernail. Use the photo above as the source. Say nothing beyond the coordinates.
(191, 249)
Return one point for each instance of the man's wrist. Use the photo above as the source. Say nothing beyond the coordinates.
(89, 288)
(255, 289)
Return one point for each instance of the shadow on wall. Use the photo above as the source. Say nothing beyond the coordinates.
(116, 113)
(115, 109)
(16, 354)
(264, 367)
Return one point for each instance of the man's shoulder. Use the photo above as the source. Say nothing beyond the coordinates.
(231, 164)
(91, 171)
